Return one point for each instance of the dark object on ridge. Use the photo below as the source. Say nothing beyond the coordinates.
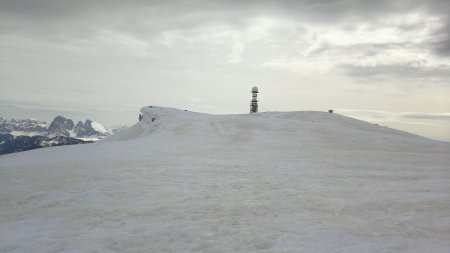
(140, 117)
(330, 111)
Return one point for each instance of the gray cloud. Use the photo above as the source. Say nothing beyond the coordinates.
(427, 116)
(62, 20)
(379, 60)
(115, 13)
(414, 117)
(65, 21)
(441, 40)
(367, 49)
(408, 70)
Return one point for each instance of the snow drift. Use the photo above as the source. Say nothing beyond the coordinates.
(181, 181)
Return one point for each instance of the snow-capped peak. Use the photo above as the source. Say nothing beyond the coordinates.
(99, 127)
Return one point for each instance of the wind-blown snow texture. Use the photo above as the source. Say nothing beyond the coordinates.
(265, 182)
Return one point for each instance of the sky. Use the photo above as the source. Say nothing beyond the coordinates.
(384, 61)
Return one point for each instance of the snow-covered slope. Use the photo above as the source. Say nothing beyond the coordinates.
(180, 181)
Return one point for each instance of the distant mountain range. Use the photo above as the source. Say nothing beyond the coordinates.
(26, 134)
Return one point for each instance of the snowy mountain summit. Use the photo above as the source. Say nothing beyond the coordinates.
(248, 131)
(180, 181)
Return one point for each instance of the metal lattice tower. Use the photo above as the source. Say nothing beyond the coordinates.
(254, 102)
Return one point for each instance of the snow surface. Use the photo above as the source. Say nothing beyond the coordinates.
(99, 127)
(265, 182)
(16, 133)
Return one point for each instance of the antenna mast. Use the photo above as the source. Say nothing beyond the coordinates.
(254, 102)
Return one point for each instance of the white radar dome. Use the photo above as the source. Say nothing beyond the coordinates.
(255, 89)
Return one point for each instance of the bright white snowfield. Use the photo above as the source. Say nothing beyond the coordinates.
(265, 182)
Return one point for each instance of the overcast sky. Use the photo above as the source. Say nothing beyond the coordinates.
(383, 61)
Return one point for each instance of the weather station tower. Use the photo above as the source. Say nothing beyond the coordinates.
(254, 102)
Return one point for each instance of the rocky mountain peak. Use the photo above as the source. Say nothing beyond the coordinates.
(90, 128)
(61, 126)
